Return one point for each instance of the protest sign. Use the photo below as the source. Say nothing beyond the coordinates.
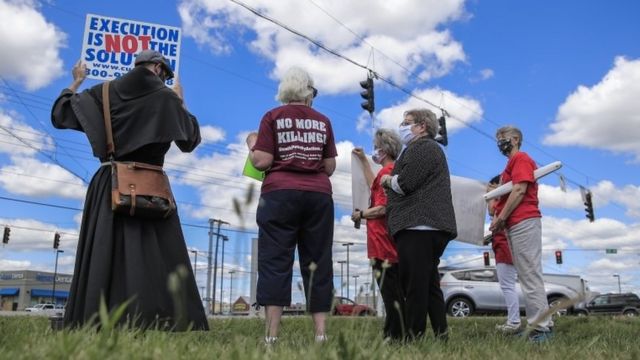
(470, 209)
(110, 45)
(360, 190)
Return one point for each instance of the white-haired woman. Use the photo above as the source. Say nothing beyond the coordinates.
(296, 147)
(381, 249)
(421, 220)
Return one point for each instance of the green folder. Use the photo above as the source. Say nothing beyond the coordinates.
(250, 171)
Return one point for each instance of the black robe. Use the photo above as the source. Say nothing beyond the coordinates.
(125, 258)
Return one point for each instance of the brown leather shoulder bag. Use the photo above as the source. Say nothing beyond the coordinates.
(137, 189)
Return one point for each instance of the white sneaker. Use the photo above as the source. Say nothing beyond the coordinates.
(321, 338)
(270, 340)
(508, 328)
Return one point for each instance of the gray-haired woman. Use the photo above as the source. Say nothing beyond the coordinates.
(381, 249)
(296, 147)
(421, 220)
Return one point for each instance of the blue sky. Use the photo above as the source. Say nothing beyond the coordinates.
(566, 73)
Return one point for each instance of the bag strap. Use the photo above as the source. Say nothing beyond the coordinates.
(106, 113)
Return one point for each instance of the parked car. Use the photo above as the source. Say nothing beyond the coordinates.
(471, 290)
(625, 304)
(346, 307)
(40, 307)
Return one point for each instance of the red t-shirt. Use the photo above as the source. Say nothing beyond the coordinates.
(520, 169)
(380, 244)
(299, 138)
(500, 247)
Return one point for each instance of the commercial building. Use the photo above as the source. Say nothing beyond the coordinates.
(24, 288)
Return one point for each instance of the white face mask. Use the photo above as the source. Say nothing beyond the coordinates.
(378, 156)
(406, 135)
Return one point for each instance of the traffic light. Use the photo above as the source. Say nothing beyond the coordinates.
(486, 257)
(367, 95)
(442, 132)
(558, 257)
(589, 206)
(5, 237)
(56, 240)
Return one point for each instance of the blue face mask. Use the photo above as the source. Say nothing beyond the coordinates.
(405, 133)
(378, 156)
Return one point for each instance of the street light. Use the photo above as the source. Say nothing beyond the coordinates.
(356, 287)
(348, 245)
(225, 238)
(55, 274)
(619, 288)
(231, 272)
(341, 262)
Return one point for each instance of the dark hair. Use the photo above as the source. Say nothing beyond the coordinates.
(495, 180)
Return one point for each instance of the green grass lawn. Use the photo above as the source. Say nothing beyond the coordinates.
(350, 338)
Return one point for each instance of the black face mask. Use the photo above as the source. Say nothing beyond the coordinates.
(505, 146)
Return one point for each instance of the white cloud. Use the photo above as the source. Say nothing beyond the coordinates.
(408, 33)
(31, 140)
(460, 107)
(604, 116)
(601, 234)
(482, 75)
(6, 264)
(604, 193)
(31, 177)
(211, 134)
(30, 45)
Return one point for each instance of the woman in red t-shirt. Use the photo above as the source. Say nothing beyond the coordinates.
(381, 249)
(506, 271)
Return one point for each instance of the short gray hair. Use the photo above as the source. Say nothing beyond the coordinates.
(512, 131)
(295, 85)
(388, 141)
(427, 118)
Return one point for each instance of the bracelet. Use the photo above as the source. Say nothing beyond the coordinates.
(361, 214)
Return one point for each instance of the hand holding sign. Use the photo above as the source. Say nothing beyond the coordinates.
(79, 73)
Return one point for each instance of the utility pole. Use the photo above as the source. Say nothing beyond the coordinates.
(224, 240)
(215, 261)
(195, 265)
(619, 288)
(349, 244)
(209, 261)
(55, 274)
(231, 288)
(341, 262)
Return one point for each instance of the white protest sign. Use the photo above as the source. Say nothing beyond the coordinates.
(360, 190)
(470, 208)
(110, 45)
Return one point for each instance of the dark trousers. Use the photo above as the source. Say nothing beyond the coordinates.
(288, 219)
(389, 284)
(418, 258)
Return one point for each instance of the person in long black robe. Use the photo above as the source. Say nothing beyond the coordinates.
(122, 258)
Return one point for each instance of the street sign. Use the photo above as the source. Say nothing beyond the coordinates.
(611, 251)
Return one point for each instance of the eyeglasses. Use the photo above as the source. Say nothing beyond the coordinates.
(314, 91)
(405, 123)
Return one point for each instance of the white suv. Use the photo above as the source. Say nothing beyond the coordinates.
(471, 290)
